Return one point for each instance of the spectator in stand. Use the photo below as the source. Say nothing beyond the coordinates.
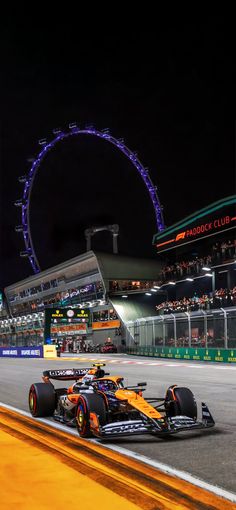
(223, 250)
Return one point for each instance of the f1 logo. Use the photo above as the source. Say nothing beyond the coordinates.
(180, 236)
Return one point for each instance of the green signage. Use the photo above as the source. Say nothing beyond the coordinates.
(188, 353)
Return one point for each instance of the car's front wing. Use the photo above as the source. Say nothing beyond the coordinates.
(157, 427)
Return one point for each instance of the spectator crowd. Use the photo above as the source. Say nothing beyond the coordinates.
(219, 253)
(220, 298)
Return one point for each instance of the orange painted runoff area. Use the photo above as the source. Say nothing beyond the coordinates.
(55, 467)
(34, 479)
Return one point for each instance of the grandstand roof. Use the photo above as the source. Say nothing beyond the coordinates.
(215, 206)
(207, 222)
(111, 267)
(119, 267)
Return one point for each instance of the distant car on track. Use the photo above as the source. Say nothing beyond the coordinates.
(99, 405)
(108, 347)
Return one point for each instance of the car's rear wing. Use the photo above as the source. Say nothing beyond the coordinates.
(66, 374)
(73, 374)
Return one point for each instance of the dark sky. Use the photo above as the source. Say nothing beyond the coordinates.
(167, 92)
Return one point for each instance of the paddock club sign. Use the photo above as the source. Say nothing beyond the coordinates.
(193, 232)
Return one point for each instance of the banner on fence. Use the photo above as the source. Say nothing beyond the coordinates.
(22, 352)
(189, 353)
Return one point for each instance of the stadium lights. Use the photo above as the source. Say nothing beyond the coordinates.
(153, 290)
(156, 286)
(208, 274)
(205, 268)
(147, 293)
(189, 279)
(124, 296)
(171, 283)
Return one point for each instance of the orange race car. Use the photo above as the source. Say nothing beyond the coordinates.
(99, 405)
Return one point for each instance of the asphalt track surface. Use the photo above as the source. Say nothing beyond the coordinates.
(209, 455)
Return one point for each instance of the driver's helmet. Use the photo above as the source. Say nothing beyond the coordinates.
(86, 379)
(89, 376)
(93, 373)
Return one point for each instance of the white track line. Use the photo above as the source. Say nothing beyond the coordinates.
(159, 363)
(142, 458)
(154, 364)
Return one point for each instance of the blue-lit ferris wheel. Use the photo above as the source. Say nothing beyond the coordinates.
(28, 181)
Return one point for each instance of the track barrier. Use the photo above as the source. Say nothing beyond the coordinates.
(187, 353)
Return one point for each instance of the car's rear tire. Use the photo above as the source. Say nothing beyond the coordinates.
(180, 401)
(42, 400)
(87, 404)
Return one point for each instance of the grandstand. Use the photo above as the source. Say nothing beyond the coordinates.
(83, 282)
(199, 276)
(184, 298)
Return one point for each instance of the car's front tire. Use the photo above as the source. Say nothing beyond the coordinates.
(90, 403)
(180, 401)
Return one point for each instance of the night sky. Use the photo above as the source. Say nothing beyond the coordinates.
(166, 92)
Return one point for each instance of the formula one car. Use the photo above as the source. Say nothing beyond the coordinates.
(100, 405)
(108, 347)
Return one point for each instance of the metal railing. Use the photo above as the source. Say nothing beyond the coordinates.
(208, 329)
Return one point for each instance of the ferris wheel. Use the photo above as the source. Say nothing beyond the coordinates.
(28, 181)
